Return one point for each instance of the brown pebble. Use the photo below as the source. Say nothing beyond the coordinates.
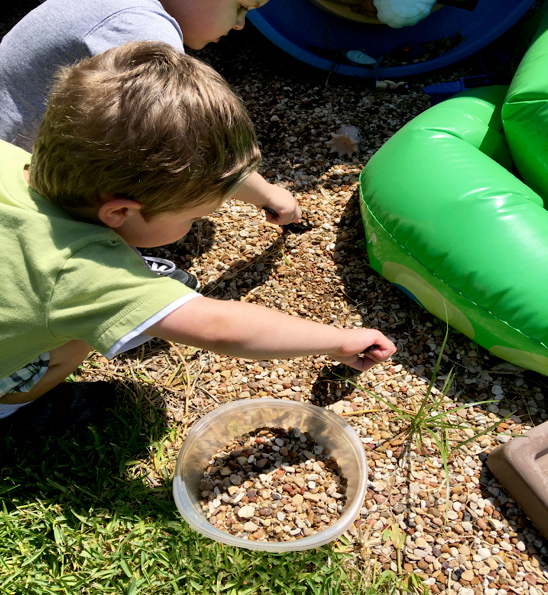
(467, 576)
(530, 578)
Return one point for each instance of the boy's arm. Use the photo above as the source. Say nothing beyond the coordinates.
(282, 208)
(254, 332)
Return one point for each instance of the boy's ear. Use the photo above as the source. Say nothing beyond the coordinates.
(114, 211)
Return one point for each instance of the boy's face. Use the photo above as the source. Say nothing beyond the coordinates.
(206, 21)
(161, 229)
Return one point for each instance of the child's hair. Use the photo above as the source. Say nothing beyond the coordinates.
(147, 122)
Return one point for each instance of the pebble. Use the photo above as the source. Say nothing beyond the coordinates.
(250, 527)
(246, 512)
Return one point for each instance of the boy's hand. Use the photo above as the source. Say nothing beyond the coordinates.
(281, 208)
(364, 348)
(280, 205)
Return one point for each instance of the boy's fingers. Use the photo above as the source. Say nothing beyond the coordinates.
(380, 354)
(361, 363)
(282, 219)
(382, 350)
(370, 356)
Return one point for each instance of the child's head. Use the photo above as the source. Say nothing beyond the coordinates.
(206, 21)
(146, 122)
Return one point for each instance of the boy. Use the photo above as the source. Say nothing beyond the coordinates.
(61, 32)
(136, 143)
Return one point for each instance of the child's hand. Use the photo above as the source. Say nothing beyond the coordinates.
(364, 348)
(281, 207)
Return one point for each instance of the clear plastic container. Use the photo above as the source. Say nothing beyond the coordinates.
(237, 418)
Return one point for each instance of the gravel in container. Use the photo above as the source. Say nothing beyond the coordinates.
(273, 484)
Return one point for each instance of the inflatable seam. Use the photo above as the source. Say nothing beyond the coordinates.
(433, 273)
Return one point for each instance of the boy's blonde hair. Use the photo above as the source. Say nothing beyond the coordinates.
(147, 122)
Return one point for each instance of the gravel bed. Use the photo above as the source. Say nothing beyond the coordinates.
(481, 543)
(273, 485)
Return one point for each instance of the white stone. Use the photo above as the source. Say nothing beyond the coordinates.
(246, 512)
(338, 407)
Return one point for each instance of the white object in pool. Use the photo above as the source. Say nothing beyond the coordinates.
(402, 13)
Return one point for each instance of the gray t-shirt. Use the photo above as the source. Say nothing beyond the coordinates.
(61, 32)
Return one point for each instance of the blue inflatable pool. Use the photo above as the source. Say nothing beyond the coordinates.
(322, 39)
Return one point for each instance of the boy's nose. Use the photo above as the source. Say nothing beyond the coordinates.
(240, 24)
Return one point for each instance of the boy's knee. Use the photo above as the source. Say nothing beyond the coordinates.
(43, 373)
(73, 351)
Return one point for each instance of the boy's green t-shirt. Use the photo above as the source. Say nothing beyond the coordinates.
(63, 279)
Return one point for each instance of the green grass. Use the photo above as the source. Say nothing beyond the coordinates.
(79, 516)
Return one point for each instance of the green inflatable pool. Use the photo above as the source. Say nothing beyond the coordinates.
(451, 216)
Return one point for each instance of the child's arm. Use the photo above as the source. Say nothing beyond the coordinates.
(282, 208)
(254, 332)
